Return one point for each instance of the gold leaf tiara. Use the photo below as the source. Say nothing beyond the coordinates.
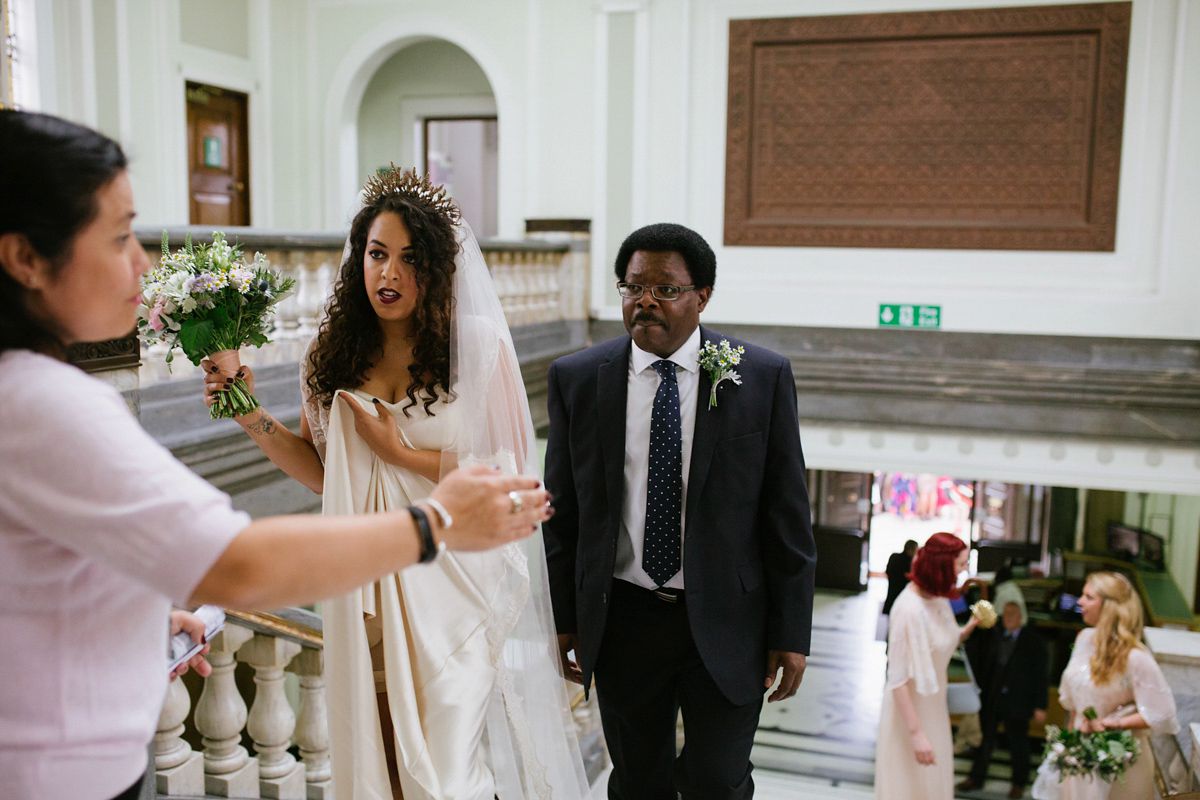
(417, 188)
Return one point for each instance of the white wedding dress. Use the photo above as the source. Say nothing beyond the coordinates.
(465, 646)
(443, 628)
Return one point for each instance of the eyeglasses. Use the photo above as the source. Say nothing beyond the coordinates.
(666, 292)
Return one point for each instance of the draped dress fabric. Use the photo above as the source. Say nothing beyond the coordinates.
(435, 632)
(922, 636)
(1142, 685)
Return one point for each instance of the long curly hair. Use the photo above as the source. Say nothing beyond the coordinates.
(350, 339)
(933, 565)
(1119, 628)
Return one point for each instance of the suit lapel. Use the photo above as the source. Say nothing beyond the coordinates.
(704, 438)
(612, 388)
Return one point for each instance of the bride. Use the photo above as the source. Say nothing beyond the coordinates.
(443, 681)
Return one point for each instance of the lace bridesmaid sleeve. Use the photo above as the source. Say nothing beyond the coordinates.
(1153, 696)
(910, 657)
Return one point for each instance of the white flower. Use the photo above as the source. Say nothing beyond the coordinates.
(241, 279)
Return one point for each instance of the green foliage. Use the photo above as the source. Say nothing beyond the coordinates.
(1105, 755)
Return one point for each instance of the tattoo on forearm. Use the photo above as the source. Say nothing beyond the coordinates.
(263, 426)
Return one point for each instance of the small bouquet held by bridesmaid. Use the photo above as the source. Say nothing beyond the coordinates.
(1103, 757)
(208, 301)
(985, 612)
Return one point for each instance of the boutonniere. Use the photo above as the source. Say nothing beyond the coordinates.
(719, 361)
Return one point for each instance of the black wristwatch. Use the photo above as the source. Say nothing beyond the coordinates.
(429, 550)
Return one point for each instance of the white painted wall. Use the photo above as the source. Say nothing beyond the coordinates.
(615, 111)
(1148, 287)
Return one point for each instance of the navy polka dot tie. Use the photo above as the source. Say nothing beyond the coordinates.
(664, 497)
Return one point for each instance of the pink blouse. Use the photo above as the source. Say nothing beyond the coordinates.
(100, 530)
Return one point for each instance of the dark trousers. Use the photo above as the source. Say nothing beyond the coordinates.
(1016, 735)
(647, 671)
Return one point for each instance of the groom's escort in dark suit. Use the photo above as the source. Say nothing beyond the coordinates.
(681, 553)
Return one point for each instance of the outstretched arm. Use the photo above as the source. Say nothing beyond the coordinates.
(297, 559)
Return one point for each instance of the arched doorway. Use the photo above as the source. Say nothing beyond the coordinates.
(366, 58)
(430, 106)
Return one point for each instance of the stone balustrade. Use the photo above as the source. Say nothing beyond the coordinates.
(289, 641)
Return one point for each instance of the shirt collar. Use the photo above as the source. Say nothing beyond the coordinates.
(687, 356)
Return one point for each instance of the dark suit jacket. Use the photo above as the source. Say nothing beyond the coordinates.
(748, 546)
(1024, 675)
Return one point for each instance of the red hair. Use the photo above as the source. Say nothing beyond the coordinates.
(933, 565)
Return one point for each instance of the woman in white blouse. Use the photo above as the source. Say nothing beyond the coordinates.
(1112, 671)
(101, 528)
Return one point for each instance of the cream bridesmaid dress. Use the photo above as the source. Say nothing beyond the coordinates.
(432, 635)
(1142, 685)
(922, 636)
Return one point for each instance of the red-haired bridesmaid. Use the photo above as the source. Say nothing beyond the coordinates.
(915, 759)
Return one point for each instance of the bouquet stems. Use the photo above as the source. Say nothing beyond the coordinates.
(237, 399)
(234, 402)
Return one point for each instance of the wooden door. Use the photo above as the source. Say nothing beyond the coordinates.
(845, 500)
(218, 157)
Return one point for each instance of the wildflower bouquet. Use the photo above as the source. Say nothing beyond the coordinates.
(1103, 756)
(208, 301)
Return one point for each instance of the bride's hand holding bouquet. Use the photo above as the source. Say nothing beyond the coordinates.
(208, 301)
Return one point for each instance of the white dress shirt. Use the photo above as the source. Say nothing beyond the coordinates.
(639, 403)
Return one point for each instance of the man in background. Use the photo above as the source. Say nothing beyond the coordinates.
(897, 573)
(1014, 684)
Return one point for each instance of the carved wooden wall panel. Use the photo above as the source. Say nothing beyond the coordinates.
(991, 128)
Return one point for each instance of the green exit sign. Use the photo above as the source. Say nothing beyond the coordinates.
(910, 316)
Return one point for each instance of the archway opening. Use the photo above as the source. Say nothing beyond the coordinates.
(431, 106)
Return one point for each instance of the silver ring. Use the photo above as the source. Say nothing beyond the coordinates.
(517, 502)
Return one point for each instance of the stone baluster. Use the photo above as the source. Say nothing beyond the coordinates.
(576, 283)
(548, 280)
(528, 283)
(310, 294)
(325, 277)
(533, 287)
(287, 313)
(229, 771)
(179, 770)
(272, 721)
(554, 286)
(538, 264)
(312, 724)
(503, 284)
